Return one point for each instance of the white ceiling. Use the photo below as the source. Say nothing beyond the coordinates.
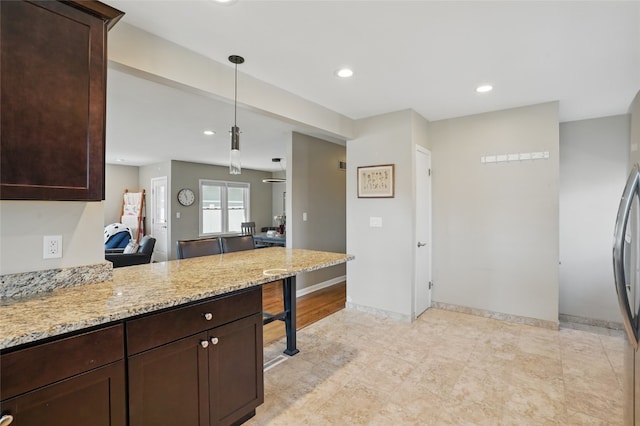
(425, 55)
(148, 123)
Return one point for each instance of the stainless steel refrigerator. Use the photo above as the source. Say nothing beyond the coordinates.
(626, 267)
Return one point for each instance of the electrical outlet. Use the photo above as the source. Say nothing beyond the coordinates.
(52, 247)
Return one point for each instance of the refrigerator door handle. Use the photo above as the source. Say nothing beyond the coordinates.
(631, 188)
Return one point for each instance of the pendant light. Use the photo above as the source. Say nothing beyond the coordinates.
(234, 158)
(274, 179)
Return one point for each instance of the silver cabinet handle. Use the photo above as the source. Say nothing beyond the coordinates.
(421, 244)
(214, 340)
(204, 343)
(6, 420)
(208, 316)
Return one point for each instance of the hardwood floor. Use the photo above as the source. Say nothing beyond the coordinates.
(310, 308)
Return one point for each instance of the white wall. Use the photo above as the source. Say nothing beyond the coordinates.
(380, 279)
(495, 226)
(593, 169)
(24, 223)
(634, 146)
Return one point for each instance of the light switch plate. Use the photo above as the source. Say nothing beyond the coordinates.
(375, 222)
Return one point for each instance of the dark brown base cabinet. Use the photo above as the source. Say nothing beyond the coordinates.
(77, 380)
(198, 364)
(211, 378)
(95, 398)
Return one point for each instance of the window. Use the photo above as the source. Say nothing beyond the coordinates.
(223, 206)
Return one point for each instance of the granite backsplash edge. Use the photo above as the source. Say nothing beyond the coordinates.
(30, 283)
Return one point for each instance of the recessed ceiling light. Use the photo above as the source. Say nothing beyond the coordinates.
(484, 88)
(209, 132)
(225, 1)
(120, 160)
(344, 72)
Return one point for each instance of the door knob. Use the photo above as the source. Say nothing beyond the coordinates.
(214, 340)
(421, 244)
(204, 343)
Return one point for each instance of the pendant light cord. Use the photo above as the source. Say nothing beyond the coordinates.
(235, 99)
(235, 59)
(234, 156)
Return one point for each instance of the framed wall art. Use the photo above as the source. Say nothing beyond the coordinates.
(376, 181)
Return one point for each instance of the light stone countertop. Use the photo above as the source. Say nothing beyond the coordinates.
(136, 290)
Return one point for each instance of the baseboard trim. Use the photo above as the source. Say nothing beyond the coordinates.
(591, 321)
(378, 312)
(320, 286)
(553, 325)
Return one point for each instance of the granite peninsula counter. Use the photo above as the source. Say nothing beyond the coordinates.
(142, 289)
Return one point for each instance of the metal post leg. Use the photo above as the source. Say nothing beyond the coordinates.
(289, 293)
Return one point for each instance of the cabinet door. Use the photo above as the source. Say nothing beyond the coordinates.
(168, 384)
(52, 97)
(95, 398)
(235, 369)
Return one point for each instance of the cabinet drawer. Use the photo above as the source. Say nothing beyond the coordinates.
(40, 365)
(157, 329)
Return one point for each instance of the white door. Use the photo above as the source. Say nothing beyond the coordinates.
(159, 218)
(422, 248)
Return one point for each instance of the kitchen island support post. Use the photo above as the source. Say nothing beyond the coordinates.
(289, 294)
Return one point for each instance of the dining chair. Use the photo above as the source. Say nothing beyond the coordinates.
(198, 247)
(237, 243)
(248, 228)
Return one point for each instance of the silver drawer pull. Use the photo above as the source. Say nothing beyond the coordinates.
(203, 343)
(6, 420)
(208, 316)
(214, 340)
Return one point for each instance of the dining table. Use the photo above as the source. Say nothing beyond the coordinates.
(270, 239)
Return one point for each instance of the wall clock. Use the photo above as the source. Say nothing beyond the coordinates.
(186, 197)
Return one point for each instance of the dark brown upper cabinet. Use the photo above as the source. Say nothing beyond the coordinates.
(53, 69)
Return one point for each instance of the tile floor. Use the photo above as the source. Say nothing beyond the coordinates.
(446, 368)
